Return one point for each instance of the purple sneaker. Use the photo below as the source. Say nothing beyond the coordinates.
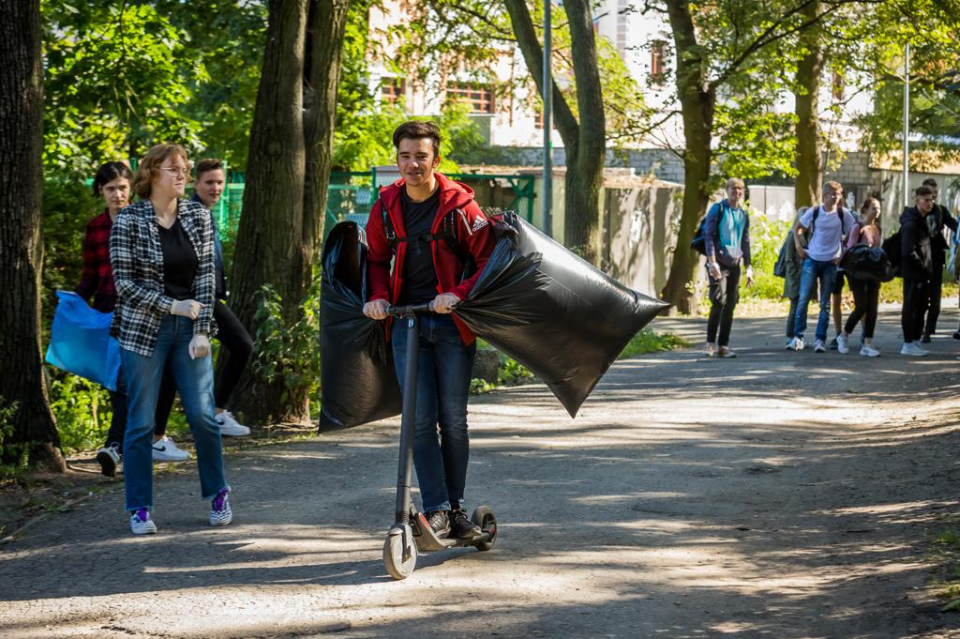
(140, 522)
(220, 513)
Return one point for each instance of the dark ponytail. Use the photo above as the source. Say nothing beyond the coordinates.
(108, 173)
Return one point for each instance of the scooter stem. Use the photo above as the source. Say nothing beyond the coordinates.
(408, 419)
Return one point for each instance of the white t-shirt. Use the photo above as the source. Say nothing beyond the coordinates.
(826, 244)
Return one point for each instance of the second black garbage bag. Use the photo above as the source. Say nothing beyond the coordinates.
(553, 312)
(358, 383)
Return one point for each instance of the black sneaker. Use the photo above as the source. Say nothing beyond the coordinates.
(956, 335)
(926, 338)
(439, 521)
(834, 345)
(461, 527)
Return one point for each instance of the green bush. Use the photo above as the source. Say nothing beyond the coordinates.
(82, 410)
(289, 352)
(766, 238)
(649, 341)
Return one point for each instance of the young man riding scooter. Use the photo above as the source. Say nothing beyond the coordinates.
(439, 241)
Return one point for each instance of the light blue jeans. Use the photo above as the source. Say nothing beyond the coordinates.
(194, 378)
(443, 388)
(826, 273)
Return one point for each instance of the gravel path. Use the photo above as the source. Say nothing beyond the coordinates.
(775, 495)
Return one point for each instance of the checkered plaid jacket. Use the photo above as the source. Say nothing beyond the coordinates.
(137, 260)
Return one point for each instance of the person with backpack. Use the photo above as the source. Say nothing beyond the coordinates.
(726, 237)
(916, 269)
(421, 232)
(792, 268)
(866, 293)
(825, 226)
(938, 219)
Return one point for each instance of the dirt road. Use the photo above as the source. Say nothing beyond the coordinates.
(774, 495)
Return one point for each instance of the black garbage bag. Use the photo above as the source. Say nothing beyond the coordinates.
(553, 312)
(358, 382)
(865, 262)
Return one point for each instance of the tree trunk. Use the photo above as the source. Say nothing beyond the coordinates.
(584, 141)
(809, 138)
(291, 143)
(697, 102)
(585, 169)
(27, 426)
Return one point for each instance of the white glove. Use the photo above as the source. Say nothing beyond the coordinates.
(714, 269)
(199, 346)
(186, 308)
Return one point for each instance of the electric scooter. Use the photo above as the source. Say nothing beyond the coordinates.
(411, 532)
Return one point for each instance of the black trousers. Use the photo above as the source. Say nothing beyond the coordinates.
(239, 346)
(724, 295)
(916, 294)
(866, 301)
(936, 290)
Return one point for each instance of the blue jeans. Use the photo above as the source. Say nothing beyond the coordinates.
(826, 273)
(194, 379)
(443, 388)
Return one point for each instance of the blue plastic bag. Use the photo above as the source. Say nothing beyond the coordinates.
(80, 341)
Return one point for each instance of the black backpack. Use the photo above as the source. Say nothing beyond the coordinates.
(780, 267)
(699, 243)
(893, 247)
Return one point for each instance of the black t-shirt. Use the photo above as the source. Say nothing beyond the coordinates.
(179, 262)
(419, 276)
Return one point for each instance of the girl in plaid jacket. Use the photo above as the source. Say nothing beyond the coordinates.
(161, 251)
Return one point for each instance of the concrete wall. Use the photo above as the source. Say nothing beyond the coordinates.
(640, 227)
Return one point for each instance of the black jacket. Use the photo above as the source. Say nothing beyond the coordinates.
(916, 253)
(938, 218)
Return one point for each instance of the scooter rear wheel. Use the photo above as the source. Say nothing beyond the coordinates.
(484, 517)
(393, 557)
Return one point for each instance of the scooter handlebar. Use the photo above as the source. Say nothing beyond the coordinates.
(413, 309)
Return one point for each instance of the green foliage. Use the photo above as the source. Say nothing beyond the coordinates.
(766, 238)
(511, 373)
(82, 409)
(115, 82)
(288, 351)
(13, 456)
(650, 341)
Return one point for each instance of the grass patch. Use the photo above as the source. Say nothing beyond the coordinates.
(650, 341)
(945, 553)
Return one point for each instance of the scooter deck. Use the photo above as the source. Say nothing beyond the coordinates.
(429, 541)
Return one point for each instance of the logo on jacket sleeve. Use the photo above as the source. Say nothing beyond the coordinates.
(478, 223)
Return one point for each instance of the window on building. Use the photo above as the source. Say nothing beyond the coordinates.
(658, 55)
(836, 86)
(479, 97)
(393, 90)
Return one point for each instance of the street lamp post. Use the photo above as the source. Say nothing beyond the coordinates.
(906, 125)
(547, 125)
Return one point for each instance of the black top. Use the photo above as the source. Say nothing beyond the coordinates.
(179, 262)
(419, 276)
(916, 259)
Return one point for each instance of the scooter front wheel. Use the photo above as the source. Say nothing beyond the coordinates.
(393, 555)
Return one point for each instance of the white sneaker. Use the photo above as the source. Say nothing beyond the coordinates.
(869, 351)
(220, 512)
(791, 343)
(912, 350)
(799, 344)
(164, 450)
(141, 524)
(229, 426)
(818, 347)
(109, 458)
(723, 351)
(842, 345)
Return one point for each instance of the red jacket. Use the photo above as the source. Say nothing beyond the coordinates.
(478, 239)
